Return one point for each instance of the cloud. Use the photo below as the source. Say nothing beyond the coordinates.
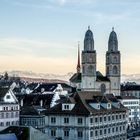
(21, 47)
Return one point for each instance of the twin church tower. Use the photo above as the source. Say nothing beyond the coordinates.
(88, 78)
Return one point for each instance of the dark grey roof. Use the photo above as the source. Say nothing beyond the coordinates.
(126, 97)
(3, 92)
(76, 78)
(130, 87)
(82, 106)
(32, 110)
(34, 99)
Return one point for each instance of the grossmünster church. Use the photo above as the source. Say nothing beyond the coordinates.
(88, 78)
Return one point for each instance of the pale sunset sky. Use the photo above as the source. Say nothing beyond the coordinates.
(42, 35)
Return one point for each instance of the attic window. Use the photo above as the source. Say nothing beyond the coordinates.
(108, 105)
(8, 97)
(66, 107)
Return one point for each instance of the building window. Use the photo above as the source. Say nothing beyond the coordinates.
(103, 88)
(66, 120)
(7, 123)
(101, 132)
(123, 127)
(115, 70)
(1, 124)
(80, 120)
(91, 133)
(7, 115)
(113, 117)
(120, 117)
(120, 128)
(53, 120)
(116, 117)
(96, 133)
(96, 119)
(100, 119)
(66, 133)
(108, 130)
(80, 134)
(108, 105)
(104, 119)
(108, 118)
(116, 129)
(104, 131)
(113, 130)
(8, 97)
(12, 114)
(2, 115)
(53, 132)
(91, 120)
(66, 107)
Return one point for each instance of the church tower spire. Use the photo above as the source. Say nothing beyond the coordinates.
(113, 63)
(88, 62)
(78, 62)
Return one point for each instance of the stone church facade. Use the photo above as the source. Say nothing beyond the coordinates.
(89, 79)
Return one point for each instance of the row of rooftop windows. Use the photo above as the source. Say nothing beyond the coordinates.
(66, 120)
(9, 108)
(130, 102)
(107, 118)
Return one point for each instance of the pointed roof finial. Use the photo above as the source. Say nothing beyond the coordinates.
(78, 63)
(89, 27)
(112, 28)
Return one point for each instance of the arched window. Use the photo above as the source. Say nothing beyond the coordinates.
(115, 70)
(103, 88)
(115, 59)
(90, 69)
(83, 69)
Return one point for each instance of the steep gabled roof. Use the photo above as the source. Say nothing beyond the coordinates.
(76, 78)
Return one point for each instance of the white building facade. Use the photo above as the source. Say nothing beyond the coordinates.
(9, 109)
(133, 105)
(85, 118)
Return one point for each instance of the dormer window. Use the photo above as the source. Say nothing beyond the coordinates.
(8, 97)
(109, 106)
(66, 107)
(98, 106)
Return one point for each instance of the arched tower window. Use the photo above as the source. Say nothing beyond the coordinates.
(103, 88)
(90, 69)
(115, 70)
(107, 70)
(115, 59)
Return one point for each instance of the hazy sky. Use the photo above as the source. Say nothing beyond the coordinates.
(42, 35)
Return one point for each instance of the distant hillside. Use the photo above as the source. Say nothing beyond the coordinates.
(32, 76)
